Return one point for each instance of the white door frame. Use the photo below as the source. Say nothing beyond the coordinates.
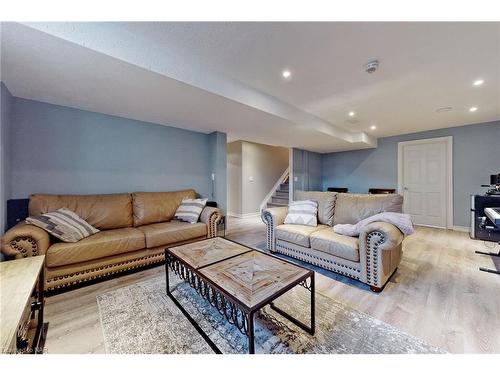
(449, 171)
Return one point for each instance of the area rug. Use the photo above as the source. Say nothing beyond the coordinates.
(141, 318)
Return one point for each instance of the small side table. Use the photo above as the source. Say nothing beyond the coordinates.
(22, 329)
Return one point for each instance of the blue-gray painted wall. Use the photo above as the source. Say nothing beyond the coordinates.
(476, 155)
(307, 170)
(64, 150)
(5, 125)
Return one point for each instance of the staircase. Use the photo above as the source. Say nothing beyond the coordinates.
(280, 196)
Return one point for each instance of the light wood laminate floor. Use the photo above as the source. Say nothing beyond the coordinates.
(437, 294)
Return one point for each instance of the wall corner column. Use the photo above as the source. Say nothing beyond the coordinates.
(218, 169)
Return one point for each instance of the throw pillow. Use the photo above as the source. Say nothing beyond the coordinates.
(190, 210)
(303, 213)
(63, 224)
(326, 203)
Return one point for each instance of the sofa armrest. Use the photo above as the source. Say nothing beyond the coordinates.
(380, 252)
(392, 235)
(25, 240)
(211, 216)
(273, 217)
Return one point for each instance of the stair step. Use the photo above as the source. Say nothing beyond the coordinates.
(282, 193)
(271, 204)
(277, 199)
(284, 186)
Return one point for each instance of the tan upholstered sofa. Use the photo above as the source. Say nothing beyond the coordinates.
(134, 231)
(370, 258)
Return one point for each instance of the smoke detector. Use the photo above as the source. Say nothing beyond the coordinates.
(444, 109)
(372, 66)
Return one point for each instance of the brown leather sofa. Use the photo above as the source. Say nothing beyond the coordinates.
(134, 231)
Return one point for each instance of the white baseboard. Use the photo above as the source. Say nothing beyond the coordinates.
(244, 216)
(457, 228)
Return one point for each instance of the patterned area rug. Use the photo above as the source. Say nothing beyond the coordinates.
(141, 318)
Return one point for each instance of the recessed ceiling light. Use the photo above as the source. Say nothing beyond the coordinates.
(286, 74)
(478, 82)
(351, 114)
(373, 127)
(472, 109)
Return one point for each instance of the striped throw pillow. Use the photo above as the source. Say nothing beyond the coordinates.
(63, 224)
(303, 213)
(190, 210)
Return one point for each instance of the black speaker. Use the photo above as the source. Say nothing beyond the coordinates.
(17, 211)
(482, 228)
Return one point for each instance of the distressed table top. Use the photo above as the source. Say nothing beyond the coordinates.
(17, 280)
(253, 277)
(205, 252)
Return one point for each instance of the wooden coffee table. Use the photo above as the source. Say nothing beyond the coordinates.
(236, 280)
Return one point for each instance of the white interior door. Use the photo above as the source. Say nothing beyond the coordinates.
(424, 183)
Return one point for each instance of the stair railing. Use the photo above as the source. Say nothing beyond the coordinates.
(282, 179)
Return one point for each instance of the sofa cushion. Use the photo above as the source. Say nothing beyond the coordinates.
(160, 234)
(99, 245)
(106, 211)
(326, 203)
(297, 234)
(157, 207)
(351, 208)
(338, 245)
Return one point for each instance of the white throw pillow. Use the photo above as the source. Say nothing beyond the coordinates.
(190, 210)
(303, 213)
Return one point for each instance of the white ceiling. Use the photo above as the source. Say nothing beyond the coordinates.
(226, 76)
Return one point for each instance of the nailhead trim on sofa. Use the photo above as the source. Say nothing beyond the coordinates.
(15, 245)
(267, 218)
(212, 224)
(373, 241)
(133, 263)
(319, 261)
